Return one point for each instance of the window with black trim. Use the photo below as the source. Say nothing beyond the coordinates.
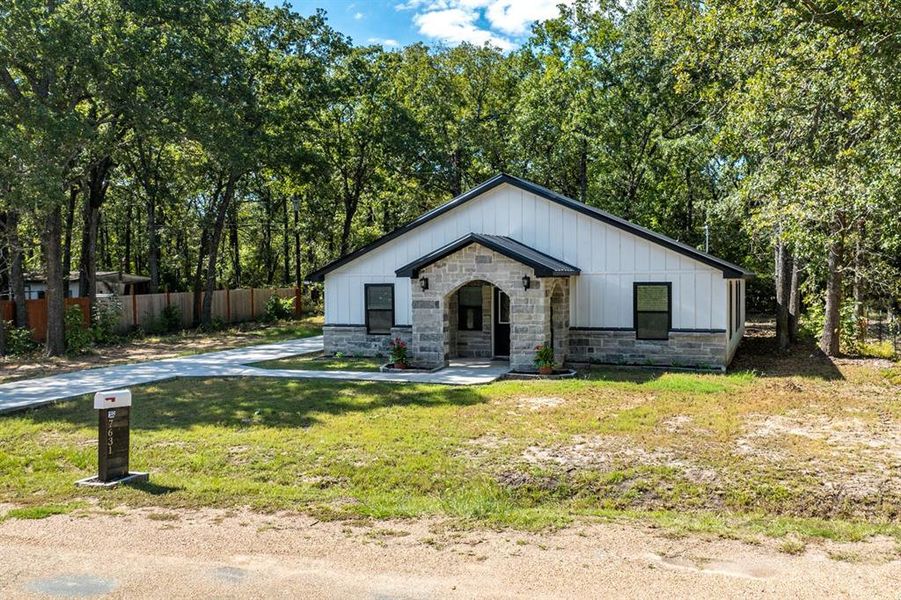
(379, 308)
(731, 308)
(653, 310)
(469, 308)
(737, 305)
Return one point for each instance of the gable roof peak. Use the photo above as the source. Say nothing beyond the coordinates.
(729, 270)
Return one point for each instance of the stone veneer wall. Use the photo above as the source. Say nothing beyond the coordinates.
(354, 341)
(682, 349)
(529, 309)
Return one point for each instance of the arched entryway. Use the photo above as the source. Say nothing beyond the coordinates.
(477, 321)
(521, 314)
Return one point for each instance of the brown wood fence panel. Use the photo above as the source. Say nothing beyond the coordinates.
(231, 306)
(240, 301)
(7, 310)
(36, 314)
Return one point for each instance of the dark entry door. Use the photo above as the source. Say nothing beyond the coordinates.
(501, 323)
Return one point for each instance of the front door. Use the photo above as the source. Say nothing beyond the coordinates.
(501, 323)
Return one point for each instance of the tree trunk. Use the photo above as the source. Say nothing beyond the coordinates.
(70, 222)
(298, 275)
(858, 286)
(783, 294)
(830, 341)
(198, 277)
(794, 302)
(286, 245)
(16, 271)
(56, 334)
(583, 170)
(97, 185)
(206, 315)
(153, 244)
(125, 263)
(235, 244)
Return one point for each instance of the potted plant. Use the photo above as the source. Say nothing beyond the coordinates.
(544, 359)
(398, 350)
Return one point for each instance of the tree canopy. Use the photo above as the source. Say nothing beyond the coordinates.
(210, 143)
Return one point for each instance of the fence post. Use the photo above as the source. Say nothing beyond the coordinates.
(134, 308)
(253, 312)
(228, 306)
(298, 312)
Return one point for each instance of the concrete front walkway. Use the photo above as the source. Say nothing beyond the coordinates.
(29, 393)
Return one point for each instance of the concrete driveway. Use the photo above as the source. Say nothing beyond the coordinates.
(29, 393)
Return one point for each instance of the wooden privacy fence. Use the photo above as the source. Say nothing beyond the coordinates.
(230, 306)
(145, 310)
(36, 314)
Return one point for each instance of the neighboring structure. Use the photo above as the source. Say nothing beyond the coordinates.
(108, 282)
(510, 265)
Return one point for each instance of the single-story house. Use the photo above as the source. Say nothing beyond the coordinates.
(510, 265)
(108, 283)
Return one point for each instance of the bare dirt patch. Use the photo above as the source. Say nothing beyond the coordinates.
(539, 402)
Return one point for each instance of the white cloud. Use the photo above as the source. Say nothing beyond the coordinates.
(514, 17)
(358, 16)
(458, 21)
(387, 42)
(457, 25)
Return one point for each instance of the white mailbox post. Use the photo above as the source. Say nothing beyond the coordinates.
(114, 414)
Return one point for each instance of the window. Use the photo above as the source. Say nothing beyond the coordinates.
(653, 310)
(731, 308)
(469, 307)
(379, 308)
(503, 308)
(738, 318)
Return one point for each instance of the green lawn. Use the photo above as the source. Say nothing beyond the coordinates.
(318, 362)
(733, 454)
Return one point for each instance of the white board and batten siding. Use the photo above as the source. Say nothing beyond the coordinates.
(610, 259)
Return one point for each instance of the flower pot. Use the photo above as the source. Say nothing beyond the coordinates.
(400, 365)
(545, 370)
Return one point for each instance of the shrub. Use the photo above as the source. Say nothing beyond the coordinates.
(78, 337)
(105, 319)
(398, 349)
(544, 356)
(813, 320)
(18, 340)
(170, 318)
(278, 308)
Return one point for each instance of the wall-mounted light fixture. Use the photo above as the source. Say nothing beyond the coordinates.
(424, 283)
(526, 282)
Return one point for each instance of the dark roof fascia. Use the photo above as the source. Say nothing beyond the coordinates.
(729, 270)
(412, 269)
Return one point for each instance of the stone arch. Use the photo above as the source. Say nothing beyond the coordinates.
(558, 318)
(430, 318)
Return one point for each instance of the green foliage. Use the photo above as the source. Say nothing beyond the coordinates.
(278, 309)
(18, 340)
(105, 320)
(78, 336)
(544, 356)
(397, 350)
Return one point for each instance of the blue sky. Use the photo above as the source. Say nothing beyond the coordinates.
(394, 23)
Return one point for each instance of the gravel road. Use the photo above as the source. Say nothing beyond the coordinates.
(150, 553)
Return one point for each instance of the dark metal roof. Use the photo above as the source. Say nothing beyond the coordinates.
(730, 270)
(544, 265)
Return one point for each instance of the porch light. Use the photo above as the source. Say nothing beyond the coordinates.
(424, 283)
(526, 282)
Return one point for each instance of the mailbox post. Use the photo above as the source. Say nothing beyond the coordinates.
(113, 413)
